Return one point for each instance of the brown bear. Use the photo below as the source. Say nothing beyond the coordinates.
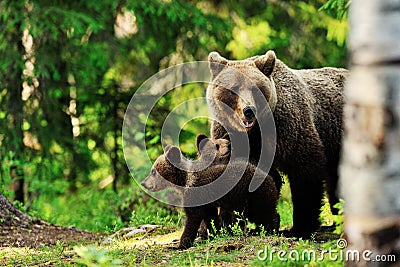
(200, 201)
(214, 152)
(306, 107)
(218, 151)
(219, 133)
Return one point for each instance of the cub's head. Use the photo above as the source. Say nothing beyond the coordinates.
(213, 151)
(166, 171)
(241, 90)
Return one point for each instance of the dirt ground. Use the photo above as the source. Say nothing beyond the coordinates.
(39, 234)
(18, 229)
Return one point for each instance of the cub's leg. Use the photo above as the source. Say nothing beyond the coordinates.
(194, 216)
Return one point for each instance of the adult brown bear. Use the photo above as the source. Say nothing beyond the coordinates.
(306, 106)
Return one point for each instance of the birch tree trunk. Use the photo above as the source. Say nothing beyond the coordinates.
(370, 167)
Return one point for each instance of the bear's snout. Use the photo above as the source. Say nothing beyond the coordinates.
(149, 183)
(145, 185)
(249, 112)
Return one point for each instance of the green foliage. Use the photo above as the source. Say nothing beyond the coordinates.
(248, 38)
(242, 226)
(327, 218)
(286, 27)
(340, 7)
(95, 215)
(237, 228)
(339, 218)
(285, 207)
(93, 257)
(9, 161)
(153, 212)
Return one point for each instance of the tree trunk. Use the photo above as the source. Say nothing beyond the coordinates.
(16, 110)
(9, 214)
(114, 153)
(370, 167)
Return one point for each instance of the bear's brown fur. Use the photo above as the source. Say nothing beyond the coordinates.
(214, 152)
(218, 132)
(219, 151)
(259, 206)
(307, 107)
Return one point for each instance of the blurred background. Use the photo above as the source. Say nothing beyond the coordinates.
(68, 70)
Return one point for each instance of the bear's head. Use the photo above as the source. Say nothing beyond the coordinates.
(213, 151)
(241, 91)
(167, 170)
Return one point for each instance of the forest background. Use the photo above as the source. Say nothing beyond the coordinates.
(68, 70)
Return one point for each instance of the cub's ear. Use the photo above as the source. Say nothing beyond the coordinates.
(217, 64)
(173, 154)
(266, 63)
(200, 142)
(167, 147)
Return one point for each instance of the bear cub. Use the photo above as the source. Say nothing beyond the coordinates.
(218, 151)
(201, 198)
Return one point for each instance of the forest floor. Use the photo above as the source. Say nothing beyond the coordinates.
(21, 234)
(42, 244)
(28, 241)
(18, 229)
(38, 233)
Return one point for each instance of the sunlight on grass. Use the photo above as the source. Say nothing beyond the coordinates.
(285, 207)
(145, 241)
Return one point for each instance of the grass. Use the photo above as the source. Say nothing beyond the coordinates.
(223, 250)
(226, 251)
(103, 210)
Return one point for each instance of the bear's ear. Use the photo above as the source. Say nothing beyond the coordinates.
(266, 63)
(217, 63)
(200, 142)
(173, 154)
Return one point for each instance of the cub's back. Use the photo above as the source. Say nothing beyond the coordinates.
(233, 178)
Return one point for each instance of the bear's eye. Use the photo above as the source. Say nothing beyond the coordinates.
(153, 172)
(217, 146)
(234, 90)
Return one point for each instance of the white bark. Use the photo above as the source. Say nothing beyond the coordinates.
(370, 166)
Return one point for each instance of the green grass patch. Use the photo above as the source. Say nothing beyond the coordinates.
(104, 211)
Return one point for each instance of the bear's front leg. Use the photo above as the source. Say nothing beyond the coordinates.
(331, 183)
(194, 216)
(262, 206)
